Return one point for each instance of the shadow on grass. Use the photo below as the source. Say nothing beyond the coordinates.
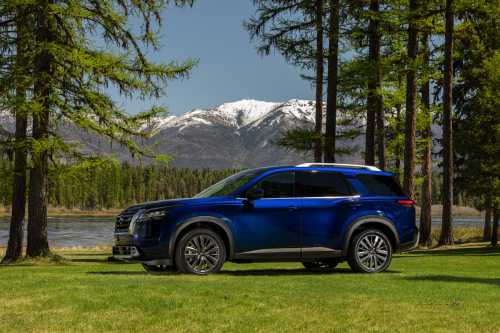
(450, 278)
(472, 251)
(296, 271)
(107, 260)
(89, 254)
(248, 272)
(122, 273)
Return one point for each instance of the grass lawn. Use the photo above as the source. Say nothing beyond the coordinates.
(448, 290)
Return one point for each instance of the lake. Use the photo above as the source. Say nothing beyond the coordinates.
(88, 231)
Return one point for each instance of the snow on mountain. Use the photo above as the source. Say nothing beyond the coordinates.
(237, 134)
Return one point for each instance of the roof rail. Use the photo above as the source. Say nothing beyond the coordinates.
(339, 165)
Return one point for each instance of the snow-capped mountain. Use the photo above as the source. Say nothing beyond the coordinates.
(232, 135)
(237, 134)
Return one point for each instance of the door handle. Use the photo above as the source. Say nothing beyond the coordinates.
(292, 208)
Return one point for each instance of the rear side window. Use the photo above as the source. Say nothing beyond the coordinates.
(277, 185)
(321, 184)
(381, 185)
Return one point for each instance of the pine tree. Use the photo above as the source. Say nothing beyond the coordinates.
(375, 134)
(411, 102)
(318, 128)
(16, 232)
(446, 237)
(69, 71)
(295, 28)
(333, 73)
(426, 194)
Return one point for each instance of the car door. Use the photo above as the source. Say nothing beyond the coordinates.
(269, 227)
(325, 197)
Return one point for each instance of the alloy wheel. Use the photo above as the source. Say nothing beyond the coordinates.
(373, 252)
(202, 253)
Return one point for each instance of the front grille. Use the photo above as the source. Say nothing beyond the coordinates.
(123, 220)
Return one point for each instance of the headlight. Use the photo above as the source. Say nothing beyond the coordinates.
(145, 216)
(133, 221)
(154, 214)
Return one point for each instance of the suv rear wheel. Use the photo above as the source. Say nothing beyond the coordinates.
(370, 252)
(201, 251)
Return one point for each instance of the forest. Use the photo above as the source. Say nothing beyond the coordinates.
(404, 67)
(116, 185)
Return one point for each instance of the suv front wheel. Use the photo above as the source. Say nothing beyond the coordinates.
(370, 252)
(201, 251)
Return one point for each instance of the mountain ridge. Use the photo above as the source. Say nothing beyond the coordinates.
(238, 134)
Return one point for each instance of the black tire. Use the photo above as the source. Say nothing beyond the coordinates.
(159, 269)
(201, 251)
(326, 264)
(370, 251)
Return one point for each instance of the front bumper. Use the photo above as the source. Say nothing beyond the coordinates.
(125, 252)
(132, 254)
(412, 245)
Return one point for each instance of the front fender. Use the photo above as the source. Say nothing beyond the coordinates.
(206, 220)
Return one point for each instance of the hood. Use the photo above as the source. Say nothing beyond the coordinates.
(178, 202)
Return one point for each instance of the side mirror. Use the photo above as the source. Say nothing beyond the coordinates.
(254, 194)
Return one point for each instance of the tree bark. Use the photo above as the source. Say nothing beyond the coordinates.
(397, 162)
(487, 220)
(494, 234)
(318, 147)
(411, 105)
(16, 233)
(331, 103)
(37, 208)
(375, 101)
(446, 237)
(425, 213)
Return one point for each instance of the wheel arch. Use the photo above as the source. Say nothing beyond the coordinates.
(210, 222)
(377, 222)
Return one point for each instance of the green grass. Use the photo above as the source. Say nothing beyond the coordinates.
(449, 290)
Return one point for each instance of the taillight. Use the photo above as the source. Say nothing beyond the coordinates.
(406, 202)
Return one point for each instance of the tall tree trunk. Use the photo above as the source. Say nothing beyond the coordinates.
(16, 232)
(446, 237)
(425, 213)
(371, 101)
(331, 103)
(318, 147)
(494, 234)
(375, 101)
(487, 220)
(411, 105)
(37, 209)
(398, 147)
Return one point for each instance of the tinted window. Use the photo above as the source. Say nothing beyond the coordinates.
(321, 184)
(277, 185)
(381, 185)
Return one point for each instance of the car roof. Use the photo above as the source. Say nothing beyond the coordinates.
(337, 167)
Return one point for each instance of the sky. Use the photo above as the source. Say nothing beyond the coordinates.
(229, 67)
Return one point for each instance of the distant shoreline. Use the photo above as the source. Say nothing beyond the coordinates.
(458, 211)
(59, 211)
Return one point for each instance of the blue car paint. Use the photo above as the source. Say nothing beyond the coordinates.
(282, 222)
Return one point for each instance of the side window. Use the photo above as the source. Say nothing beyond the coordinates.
(381, 185)
(321, 184)
(277, 185)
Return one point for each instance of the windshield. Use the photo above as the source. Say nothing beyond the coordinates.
(229, 184)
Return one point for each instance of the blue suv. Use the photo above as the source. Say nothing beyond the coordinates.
(315, 213)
